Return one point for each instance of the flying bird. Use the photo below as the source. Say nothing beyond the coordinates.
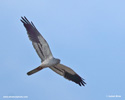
(42, 48)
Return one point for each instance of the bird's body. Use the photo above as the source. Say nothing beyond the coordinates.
(50, 62)
(44, 52)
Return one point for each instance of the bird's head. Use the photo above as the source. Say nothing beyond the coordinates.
(58, 60)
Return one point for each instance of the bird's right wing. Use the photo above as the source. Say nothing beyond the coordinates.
(68, 73)
(39, 43)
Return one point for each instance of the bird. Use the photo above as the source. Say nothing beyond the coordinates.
(47, 60)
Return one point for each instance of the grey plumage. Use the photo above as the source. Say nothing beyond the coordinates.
(44, 52)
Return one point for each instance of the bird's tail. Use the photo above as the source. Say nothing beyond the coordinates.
(35, 70)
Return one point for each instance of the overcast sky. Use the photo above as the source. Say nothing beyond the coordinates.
(87, 35)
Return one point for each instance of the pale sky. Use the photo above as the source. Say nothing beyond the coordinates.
(87, 35)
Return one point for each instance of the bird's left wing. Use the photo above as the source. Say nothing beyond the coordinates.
(68, 73)
(39, 43)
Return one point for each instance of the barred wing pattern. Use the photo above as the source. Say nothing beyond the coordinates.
(39, 43)
(43, 51)
(68, 73)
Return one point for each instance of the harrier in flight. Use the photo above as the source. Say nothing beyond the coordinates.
(47, 59)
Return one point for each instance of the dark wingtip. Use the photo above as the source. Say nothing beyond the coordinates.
(33, 24)
(75, 78)
(82, 83)
(24, 20)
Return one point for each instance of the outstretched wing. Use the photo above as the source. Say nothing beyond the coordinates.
(68, 73)
(39, 43)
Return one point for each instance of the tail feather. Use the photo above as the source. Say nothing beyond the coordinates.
(34, 70)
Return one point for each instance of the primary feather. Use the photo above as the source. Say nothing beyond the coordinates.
(44, 52)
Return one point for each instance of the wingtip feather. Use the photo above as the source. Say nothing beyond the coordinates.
(75, 78)
(24, 20)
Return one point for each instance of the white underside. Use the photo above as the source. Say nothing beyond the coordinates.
(49, 62)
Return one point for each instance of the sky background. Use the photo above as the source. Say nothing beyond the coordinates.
(87, 35)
